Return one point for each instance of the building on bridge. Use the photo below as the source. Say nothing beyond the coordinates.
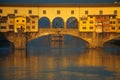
(86, 18)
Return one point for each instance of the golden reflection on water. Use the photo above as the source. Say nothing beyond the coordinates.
(24, 66)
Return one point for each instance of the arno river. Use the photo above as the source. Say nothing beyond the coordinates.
(44, 60)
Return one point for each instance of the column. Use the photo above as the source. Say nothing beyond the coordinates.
(50, 25)
(65, 25)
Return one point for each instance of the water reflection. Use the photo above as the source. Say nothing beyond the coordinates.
(60, 64)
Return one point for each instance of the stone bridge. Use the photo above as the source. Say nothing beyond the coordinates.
(93, 39)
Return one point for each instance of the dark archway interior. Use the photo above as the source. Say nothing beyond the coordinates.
(112, 46)
(115, 42)
(44, 22)
(58, 22)
(4, 42)
(72, 22)
(69, 42)
(44, 46)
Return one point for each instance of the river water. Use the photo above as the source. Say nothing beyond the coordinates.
(67, 62)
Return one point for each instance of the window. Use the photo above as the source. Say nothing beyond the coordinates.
(113, 22)
(100, 12)
(3, 21)
(113, 28)
(91, 16)
(83, 18)
(28, 27)
(119, 22)
(23, 21)
(17, 20)
(11, 26)
(44, 11)
(33, 22)
(119, 27)
(0, 21)
(30, 11)
(72, 11)
(11, 21)
(58, 11)
(86, 12)
(3, 27)
(84, 22)
(33, 27)
(91, 27)
(91, 22)
(1, 11)
(27, 19)
(15, 11)
(115, 11)
(112, 17)
(110, 22)
(83, 27)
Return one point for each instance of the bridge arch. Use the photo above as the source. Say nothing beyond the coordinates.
(72, 22)
(112, 38)
(44, 22)
(51, 33)
(58, 22)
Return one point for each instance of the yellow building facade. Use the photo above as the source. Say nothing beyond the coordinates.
(20, 24)
(84, 14)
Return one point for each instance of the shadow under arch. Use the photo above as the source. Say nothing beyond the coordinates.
(58, 22)
(112, 40)
(4, 42)
(42, 35)
(75, 41)
(112, 46)
(44, 22)
(72, 22)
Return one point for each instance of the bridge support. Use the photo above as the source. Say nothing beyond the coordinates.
(19, 43)
(19, 40)
(95, 44)
(96, 41)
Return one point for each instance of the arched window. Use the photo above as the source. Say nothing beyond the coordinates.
(58, 23)
(72, 22)
(44, 22)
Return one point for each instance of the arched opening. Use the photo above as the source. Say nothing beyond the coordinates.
(72, 23)
(4, 42)
(70, 41)
(74, 42)
(113, 42)
(44, 22)
(112, 46)
(45, 45)
(58, 22)
(5, 46)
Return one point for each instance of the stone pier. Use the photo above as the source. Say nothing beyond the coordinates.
(19, 40)
(96, 41)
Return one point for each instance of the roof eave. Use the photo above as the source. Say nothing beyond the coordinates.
(63, 5)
